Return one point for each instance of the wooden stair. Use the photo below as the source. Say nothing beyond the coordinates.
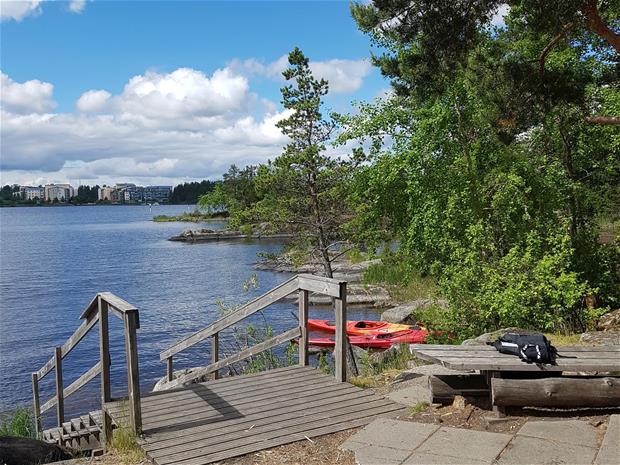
(81, 433)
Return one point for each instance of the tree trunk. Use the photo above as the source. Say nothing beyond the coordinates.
(596, 25)
(557, 392)
(323, 245)
(443, 388)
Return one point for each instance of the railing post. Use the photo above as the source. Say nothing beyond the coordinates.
(60, 397)
(169, 369)
(303, 326)
(215, 352)
(133, 372)
(104, 357)
(36, 404)
(340, 349)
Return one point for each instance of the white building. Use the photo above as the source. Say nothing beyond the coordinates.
(58, 192)
(32, 193)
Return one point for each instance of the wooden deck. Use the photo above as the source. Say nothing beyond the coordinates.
(225, 418)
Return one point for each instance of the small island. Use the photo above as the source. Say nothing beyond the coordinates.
(191, 217)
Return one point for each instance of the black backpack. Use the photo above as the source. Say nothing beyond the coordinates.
(531, 348)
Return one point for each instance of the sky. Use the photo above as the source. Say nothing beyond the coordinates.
(164, 92)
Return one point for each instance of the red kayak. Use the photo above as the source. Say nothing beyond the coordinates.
(376, 341)
(361, 327)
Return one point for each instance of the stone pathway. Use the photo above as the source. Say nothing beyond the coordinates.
(559, 442)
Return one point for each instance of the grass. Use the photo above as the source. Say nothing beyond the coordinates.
(19, 423)
(559, 340)
(125, 445)
(419, 407)
(402, 283)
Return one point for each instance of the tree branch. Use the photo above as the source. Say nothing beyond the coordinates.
(607, 120)
(596, 25)
(550, 45)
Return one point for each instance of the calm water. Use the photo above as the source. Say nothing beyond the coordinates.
(54, 260)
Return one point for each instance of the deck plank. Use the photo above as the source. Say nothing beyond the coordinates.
(234, 416)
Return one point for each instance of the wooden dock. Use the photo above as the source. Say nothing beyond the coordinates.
(234, 416)
(194, 422)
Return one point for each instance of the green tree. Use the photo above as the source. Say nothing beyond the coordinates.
(304, 190)
(487, 169)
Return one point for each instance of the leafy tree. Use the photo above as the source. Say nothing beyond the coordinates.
(236, 192)
(485, 166)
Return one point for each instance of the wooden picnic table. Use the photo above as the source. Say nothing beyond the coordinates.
(495, 366)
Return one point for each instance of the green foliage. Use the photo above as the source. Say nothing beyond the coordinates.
(484, 164)
(235, 193)
(190, 192)
(125, 446)
(19, 423)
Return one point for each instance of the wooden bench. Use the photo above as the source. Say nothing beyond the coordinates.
(573, 380)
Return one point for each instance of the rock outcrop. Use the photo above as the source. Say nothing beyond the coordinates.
(493, 335)
(406, 313)
(609, 322)
(601, 338)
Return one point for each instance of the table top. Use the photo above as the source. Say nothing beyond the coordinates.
(487, 358)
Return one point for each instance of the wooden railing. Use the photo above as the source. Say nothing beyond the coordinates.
(96, 312)
(304, 284)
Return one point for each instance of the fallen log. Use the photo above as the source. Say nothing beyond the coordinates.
(445, 387)
(564, 392)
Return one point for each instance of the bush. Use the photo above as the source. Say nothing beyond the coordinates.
(532, 286)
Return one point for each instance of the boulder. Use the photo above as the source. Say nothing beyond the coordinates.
(28, 451)
(601, 338)
(405, 313)
(610, 321)
(493, 335)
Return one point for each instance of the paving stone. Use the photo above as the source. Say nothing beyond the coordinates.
(411, 395)
(565, 431)
(609, 453)
(465, 444)
(378, 455)
(352, 445)
(405, 435)
(420, 458)
(537, 451)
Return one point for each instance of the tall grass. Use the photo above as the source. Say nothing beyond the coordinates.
(18, 423)
(404, 282)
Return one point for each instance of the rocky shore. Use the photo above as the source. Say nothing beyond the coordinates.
(210, 235)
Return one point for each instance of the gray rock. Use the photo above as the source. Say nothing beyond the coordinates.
(610, 321)
(26, 451)
(599, 338)
(492, 336)
(405, 313)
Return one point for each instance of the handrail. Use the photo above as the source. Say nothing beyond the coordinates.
(259, 303)
(304, 284)
(95, 312)
(77, 384)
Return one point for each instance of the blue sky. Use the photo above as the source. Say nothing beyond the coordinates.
(142, 91)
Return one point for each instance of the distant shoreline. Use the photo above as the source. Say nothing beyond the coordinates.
(90, 205)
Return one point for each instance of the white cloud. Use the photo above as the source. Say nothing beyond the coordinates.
(18, 10)
(93, 101)
(28, 97)
(184, 92)
(497, 19)
(344, 76)
(175, 126)
(77, 6)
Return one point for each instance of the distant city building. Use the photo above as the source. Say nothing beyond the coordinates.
(159, 194)
(108, 194)
(58, 192)
(31, 193)
(133, 194)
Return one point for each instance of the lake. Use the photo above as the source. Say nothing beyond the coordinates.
(53, 260)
